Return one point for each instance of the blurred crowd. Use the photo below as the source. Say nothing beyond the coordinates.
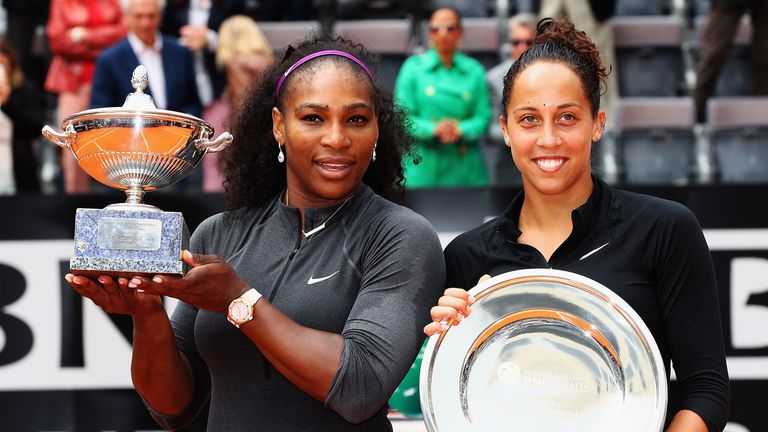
(59, 57)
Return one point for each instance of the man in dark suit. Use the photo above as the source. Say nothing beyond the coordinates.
(196, 23)
(169, 65)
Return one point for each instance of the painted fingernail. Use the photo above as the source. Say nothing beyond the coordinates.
(78, 280)
(139, 290)
(68, 277)
(444, 323)
(103, 279)
(134, 282)
(471, 299)
(157, 279)
(460, 316)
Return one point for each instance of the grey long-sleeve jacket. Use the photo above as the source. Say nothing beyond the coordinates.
(371, 275)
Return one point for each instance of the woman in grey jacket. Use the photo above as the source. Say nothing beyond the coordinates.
(322, 277)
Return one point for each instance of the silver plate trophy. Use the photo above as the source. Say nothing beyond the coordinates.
(136, 148)
(544, 350)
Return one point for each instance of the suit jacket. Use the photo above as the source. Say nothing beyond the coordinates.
(112, 77)
(176, 15)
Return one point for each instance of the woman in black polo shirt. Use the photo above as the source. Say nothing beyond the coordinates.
(650, 251)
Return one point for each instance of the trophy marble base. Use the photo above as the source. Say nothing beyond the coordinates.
(127, 242)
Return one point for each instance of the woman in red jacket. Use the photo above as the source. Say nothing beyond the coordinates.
(77, 32)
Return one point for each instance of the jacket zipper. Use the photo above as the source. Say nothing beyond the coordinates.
(273, 294)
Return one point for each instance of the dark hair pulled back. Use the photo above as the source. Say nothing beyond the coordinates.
(251, 171)
(560, 42)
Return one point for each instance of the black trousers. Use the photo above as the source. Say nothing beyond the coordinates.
(717, 41)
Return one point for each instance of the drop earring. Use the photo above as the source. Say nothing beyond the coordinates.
(373, 156)
(280, 155)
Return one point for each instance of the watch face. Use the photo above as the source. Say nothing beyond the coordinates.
(240, 311)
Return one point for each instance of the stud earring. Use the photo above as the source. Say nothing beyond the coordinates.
(280, 155)
(373, 156)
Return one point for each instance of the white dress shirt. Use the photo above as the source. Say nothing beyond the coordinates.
(151, 58)
(199, 11)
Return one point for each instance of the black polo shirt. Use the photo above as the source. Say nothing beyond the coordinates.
(649, 251)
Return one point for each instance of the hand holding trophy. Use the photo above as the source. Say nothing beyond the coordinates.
(136, 148)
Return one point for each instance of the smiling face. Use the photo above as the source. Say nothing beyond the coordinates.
(328, 126)
(549, 127)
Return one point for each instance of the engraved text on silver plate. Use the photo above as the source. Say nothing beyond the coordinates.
(130, 234)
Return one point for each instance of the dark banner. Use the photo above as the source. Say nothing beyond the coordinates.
(64, 364)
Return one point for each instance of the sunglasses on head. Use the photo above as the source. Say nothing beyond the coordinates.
(516, 42)
(435, 28)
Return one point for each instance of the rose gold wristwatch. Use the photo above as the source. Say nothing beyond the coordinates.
(241, 309)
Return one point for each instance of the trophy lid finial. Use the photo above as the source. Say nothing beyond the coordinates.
(139, 79)
(139, 100)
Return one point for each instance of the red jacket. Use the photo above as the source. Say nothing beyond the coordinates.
(72, 63)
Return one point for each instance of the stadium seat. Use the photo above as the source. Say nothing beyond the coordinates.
(655, 139)
(481, 40)
(649, 56)
(643, 7)
(388, 40)
(281, 33)
(738, 133)
(735, 78)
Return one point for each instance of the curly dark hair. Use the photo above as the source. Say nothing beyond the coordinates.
(560, 42)
(251, 171)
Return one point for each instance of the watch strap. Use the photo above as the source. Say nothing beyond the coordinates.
(251, 296)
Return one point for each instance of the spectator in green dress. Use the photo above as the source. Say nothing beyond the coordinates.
(446, 96)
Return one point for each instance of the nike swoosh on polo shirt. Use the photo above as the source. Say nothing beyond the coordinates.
(312, 279)
(593, 251)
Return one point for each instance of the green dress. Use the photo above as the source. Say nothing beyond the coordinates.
(430, 92)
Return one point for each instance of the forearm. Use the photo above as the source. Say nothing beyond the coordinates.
(158, 365)
(474, 127)
(103, 36)
(307, 357)
(687, 421)
(421, 128)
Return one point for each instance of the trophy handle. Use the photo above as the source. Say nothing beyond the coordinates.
(217, 145)
(60, 139)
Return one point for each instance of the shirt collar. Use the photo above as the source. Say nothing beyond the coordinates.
(432, 60)
(138, 46)
(313, 217)
(582, 217)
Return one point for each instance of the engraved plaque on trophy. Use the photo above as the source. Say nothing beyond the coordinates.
(544, 350)
(136, 148)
